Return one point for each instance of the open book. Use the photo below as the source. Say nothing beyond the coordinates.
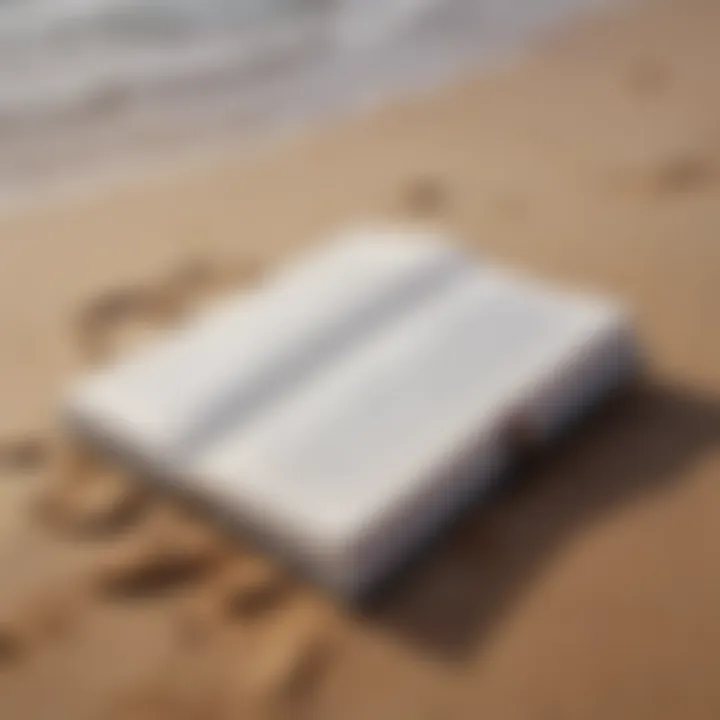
(346, 409)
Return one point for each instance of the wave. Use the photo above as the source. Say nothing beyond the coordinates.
(82, 64)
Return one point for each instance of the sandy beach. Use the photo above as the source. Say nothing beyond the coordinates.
(589, 593)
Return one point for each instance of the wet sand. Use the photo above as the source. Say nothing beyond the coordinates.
(589, 592)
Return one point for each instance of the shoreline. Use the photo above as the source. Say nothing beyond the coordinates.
(157, 145)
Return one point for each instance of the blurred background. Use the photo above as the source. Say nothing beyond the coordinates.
(83, 81)
(155, 155)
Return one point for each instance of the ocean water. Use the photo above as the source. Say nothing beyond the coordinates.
(79, 78)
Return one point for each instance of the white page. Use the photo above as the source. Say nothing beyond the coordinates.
(340, 450)
(229, 362)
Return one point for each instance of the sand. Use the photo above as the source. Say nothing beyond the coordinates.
(589, 592)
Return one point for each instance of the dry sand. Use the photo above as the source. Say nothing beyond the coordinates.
(591, 592)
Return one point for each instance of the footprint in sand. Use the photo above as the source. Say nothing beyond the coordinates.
(118, 319)
(673, 175)
(122, 318)
(683, 173)
(87, 498)
(226, 275)
(425, 197)
(145, 569)
(22, 454)
(193, 277)
(102, 506)
(244, 590)
(13, 642)
(101, 321)
(287, 646)
(163, 556)
(250, 588)
(198, 281)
